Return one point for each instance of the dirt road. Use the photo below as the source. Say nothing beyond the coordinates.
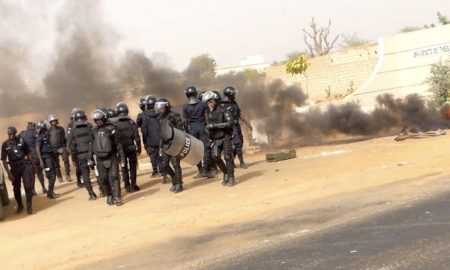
(323, 187)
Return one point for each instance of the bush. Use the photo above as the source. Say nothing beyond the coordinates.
(439, 81)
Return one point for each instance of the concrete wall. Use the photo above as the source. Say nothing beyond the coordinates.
(398, 65)
(340, 72)
(404, 64)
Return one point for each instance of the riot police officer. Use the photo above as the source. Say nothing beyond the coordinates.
(69, 129)
(46, 157)
(105, 145)
(131, 143)
(230, 104)
(29, 136)
(17, 154)
(171, 119)
(151, 135)
(79, 142)
(220, 128)
(58, 141)
(139, 116)
(194, 112)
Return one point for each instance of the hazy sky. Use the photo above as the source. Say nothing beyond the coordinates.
(230, 29)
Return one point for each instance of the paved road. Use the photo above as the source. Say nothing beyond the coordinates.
(414, 237)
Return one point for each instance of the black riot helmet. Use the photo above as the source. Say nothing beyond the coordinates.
(218, 96)
(12, 131)
(190, 91)
(122, 109)
(230, 92)
(162, 103)
(111, 113)
(41, 125)
(74, 110)
(211, 95)
(150, 102)
(80, 116)
(142, 104)
(99, 117)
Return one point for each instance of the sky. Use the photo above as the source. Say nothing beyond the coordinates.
(231, 30)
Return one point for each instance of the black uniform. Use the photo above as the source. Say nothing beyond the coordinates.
(238, 138)
(78, 172)
(220, 127)
(15, 151)
(194, 124)
(105, 145)
(29, 136)
(151, 137)
(58, 141)
(79, 141)
(131, 142)
(172, 119)
(48, 159)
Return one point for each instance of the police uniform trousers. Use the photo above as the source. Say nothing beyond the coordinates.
(200, 134)
(108, 170)
(22, 171)
(155, 159)
(82, 165)
(37, 172)
(175, 173)
(50, 170)
(130, 170)
(62, 151)
(223, 145)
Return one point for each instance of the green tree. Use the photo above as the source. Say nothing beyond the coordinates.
(439, 81)
(201, 70)
(297, 65)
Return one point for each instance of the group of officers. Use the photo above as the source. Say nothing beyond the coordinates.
(114, 141)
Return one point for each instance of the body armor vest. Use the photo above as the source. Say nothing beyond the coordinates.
(82, 138)
(57, 137)
(126, 132)
(103, 144)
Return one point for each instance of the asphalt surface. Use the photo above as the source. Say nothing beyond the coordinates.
(413, 237)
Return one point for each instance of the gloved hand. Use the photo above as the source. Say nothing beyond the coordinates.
(209, 126)
(90, 163)
(122, 164)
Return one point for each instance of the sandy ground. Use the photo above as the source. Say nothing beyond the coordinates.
(324, 186)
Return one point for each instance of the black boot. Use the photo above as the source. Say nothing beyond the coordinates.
(52, 195)
(178, 188)
(155, 174)
(225, 179)
(79, 184)
(92, 196)
(68, 178)
(135, 187)
(44, 190)
(127, 187)
(101, 191)
(110, 200)
(33, 192)
(231, 181)
(243, 165)
(118, 200)
(166, 179)
(19, 209)
(29, 208)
